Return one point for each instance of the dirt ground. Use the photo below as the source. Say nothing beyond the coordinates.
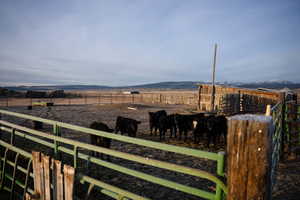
(288, 178)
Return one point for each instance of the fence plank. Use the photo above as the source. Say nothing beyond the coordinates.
(249, 158)
(46, 165)
(59, 190)
(69, 181)
(36, 156)
(42, 179)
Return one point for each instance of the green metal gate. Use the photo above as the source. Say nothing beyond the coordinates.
(58, 144)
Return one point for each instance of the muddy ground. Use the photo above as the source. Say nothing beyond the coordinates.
(288, 179)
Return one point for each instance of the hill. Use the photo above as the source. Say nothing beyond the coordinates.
(161, 85)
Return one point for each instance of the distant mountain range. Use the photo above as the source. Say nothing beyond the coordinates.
(161, 85)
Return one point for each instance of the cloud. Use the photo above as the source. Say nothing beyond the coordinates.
(132, 42)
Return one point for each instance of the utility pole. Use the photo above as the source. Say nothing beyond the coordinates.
(213, 81)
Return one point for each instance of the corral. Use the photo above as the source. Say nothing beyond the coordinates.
(107, 113)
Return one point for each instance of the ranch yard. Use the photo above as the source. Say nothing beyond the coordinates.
(288, 178)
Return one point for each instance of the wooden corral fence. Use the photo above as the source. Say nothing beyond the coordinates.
(64, 146)
(231, 104)
(237, 96)
(189, 98)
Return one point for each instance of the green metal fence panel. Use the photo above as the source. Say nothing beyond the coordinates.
(109, 189)
(57, 139)
(156, 145)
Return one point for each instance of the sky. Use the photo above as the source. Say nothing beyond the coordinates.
(129, 42)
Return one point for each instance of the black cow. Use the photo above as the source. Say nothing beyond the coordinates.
(37, 125)
(127, 125)
(98, 140)
(201, 128)
(165, 123)
(154, 120)
(184, 122)
(213, 127)
(217, 126)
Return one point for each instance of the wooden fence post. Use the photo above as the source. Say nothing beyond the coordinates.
(199, 97)
(249, 157)
(268, 110)
(283, 124)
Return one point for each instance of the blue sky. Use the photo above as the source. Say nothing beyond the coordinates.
(127, 42)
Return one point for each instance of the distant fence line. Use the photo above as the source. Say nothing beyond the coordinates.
(228, 100)
(172, 98)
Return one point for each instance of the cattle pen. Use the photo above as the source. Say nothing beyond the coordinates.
(282, 117)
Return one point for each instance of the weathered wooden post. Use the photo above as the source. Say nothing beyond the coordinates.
(249, 157)
(199, 97)
(213, 91)
(283, 124)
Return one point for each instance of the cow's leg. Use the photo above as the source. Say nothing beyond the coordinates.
(117, 129)
(151, 129)
(215, 139)
(195, 137)
(185, 135)
(161, 130)
(175, 130)
(180, 132)
(208, 139)
(108, 158)
(225, 138)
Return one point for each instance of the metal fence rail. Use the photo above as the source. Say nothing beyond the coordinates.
(57, 141)
(113, 191)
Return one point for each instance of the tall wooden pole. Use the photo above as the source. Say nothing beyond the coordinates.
(213, 80)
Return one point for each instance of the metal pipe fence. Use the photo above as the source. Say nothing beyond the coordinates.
(57, 143)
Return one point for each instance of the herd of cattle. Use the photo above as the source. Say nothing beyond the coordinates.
(211, 128)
